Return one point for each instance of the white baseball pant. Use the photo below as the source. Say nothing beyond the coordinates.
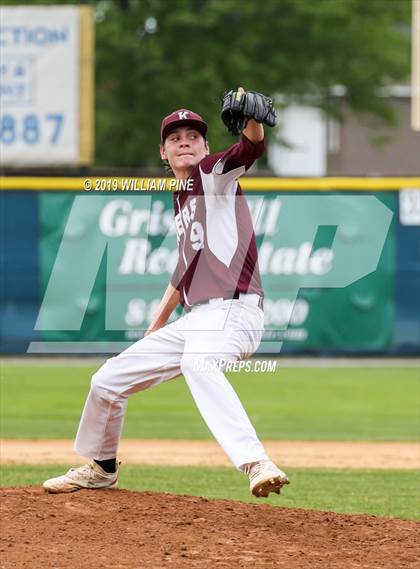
(221, 330)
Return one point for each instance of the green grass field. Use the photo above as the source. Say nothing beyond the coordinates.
(378, 492)
(375, 404)
(366, 404)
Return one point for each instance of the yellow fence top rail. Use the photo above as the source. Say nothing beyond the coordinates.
(257, 184)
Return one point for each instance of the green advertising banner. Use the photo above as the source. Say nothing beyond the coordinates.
(106, 260)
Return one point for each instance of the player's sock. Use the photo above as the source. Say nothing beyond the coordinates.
(109, 465)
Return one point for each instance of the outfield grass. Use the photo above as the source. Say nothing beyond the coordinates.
(378, 492)
(294, 403)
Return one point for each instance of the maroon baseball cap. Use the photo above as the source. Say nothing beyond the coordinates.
(182, 117)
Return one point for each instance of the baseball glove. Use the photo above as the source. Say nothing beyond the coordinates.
(239, 106)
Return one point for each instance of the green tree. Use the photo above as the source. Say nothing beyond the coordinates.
(154, 56)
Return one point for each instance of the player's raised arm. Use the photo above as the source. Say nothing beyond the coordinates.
(254, 131)
(244, 113)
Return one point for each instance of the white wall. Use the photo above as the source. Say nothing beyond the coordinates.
(305, 129)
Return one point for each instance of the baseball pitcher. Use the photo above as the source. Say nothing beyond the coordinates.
(218, 283)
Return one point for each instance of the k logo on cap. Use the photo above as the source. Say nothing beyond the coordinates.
(182, 117)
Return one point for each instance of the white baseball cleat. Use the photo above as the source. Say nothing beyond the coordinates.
(265, 477)
(90, 476)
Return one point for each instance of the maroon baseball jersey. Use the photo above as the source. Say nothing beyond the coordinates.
(216, 240)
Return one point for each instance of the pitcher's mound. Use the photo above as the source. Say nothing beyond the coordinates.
(118, 529)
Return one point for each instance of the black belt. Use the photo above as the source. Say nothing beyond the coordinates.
(235, 296)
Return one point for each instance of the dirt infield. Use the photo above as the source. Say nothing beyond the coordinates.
(118, 529)
(321, 454)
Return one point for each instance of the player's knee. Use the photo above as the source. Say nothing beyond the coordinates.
(101, 379)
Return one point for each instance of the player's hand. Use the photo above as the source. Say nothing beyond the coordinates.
(151, 329)
(240, 106)
(155, 325)
(232, 111)
(260, 108)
